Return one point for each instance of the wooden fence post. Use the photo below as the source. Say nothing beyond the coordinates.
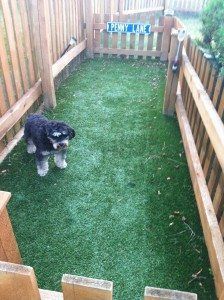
(89, 27)
(164, 294)
(168, 24)
(18, 282)
(9, 250)
(172, 77)
(82, 288)
(45, 54)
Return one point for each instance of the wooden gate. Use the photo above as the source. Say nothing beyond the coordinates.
(155, 44)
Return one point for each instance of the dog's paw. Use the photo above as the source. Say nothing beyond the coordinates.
(31, 149)
(61, 164)
(42, 172)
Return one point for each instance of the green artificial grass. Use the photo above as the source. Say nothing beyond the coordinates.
(124, 208)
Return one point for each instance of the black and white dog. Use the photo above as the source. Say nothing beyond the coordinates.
(45, 137)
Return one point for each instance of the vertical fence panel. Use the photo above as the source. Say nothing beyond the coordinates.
(12, 48)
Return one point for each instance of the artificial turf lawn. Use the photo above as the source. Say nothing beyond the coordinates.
(123, 210)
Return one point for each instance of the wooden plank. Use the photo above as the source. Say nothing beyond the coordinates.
(209, 151)
(96, 41)
(153, 53)
(9, 119)
(81, 19)
(13, 54)
(152, 293)
(72, 21)
(123, 18)
(151, 35)
(64, 24)
(11, 145)
(6, 71)
(141, 36)
(19, 44)
(195, 114)
(202, 132)
(209, 115)
(188, 95)
(195, 117)
(27, 41)
(221, 226)
(115, 35)
(75, 16)
(218, 199)
(46, 65)
(160, 35)
(35, 36)
(5, 197)
(82, 288)
(67, 57)
(132, 36)
(209, 222)
(192, 106)
(18, 282)
(12, 48)
(197, 121)
(106, 35)
(89, 27)
(7, 239)
(165, 47)
(50, 295)
(172, 77)
(58, 28)
(3, 109)
(53, 31)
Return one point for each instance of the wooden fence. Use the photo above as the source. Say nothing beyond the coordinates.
(200, 111)
(19, 283)
(132, 6)
(33, 36)
(157, 44)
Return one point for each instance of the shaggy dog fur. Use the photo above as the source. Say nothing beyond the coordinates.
(45, 137)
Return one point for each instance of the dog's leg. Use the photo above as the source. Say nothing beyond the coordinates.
(31, 148)
(42, 164)
(59, 159)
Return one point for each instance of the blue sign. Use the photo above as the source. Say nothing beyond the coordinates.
(128, 27)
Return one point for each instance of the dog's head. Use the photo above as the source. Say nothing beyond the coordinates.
(59, 134)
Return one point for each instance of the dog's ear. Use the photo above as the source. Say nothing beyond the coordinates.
(71, 133)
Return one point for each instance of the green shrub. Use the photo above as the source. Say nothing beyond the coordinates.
(213, 29)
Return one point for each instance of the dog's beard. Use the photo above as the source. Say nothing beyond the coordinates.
(59, 145)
